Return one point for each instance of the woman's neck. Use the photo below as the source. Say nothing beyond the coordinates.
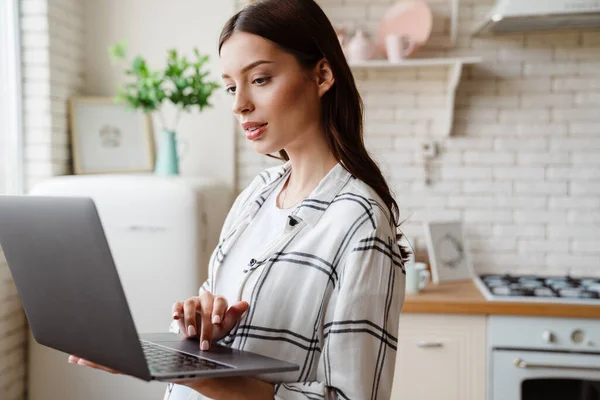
(309, 166)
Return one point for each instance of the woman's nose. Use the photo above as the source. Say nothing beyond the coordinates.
(242, 103)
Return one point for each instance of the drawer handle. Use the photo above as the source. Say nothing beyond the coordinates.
(423, 344)
(520, 363)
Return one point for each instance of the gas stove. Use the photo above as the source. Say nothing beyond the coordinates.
(540, 289)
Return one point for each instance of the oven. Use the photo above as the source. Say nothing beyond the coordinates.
(533, 358)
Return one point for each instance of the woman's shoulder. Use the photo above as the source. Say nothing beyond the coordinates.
(358, 202)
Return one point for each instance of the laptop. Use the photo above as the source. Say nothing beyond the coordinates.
(69, 286)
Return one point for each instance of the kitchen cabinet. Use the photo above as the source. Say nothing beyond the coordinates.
(440, 356)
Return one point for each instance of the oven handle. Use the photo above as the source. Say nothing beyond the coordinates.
(520, 363)
(424, 344)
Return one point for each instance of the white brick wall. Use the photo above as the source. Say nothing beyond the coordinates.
(522, 168)
(12, 338)
(51, 35)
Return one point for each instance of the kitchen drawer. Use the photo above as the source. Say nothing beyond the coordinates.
(440, 357)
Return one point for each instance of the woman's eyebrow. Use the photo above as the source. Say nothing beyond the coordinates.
(250, 66)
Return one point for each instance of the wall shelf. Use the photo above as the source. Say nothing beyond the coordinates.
(416, 62)
(454, 66)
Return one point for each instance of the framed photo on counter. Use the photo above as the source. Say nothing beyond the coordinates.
(447, 250)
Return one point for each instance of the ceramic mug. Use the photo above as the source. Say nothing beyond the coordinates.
(398, 47)
(417, 276)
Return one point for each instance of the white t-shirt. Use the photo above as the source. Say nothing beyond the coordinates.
(262, 231)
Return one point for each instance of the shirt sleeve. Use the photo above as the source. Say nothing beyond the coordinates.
(358, 357)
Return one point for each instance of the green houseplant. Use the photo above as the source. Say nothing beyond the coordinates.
(182, 82)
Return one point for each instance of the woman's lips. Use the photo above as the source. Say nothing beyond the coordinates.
(255, 134)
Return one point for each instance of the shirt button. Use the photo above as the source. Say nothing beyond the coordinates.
(293, 222)
(252, 262)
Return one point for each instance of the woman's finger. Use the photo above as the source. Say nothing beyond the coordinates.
(97, 366)
(189, 312)
(233, 314)
(207, 301)
(177, 310)
(86, 363)
(219, 308)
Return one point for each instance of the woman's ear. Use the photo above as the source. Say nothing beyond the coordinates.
(325, 79)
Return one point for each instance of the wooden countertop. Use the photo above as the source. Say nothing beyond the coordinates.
(464, 297)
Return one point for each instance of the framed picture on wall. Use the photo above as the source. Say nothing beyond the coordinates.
(447, 250)
(108, 138)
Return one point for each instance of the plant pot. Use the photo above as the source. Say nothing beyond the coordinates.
(167, 158)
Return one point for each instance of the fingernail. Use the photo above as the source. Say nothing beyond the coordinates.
(80, 362)
(205, 345)
(191, 331)
(175, 315)
(216, 319)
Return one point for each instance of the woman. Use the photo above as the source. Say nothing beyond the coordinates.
(308, 269)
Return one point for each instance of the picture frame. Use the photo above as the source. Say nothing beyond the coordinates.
(448, 252)
(108, 138)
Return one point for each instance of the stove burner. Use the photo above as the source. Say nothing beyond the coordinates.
(507, 291)
(586, 294)
(542, 287)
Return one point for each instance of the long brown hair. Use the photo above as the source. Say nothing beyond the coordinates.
(300, 27)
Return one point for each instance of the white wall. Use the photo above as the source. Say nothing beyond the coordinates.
(152, 27)
(523, 170)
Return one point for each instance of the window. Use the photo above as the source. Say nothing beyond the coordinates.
(11, 132)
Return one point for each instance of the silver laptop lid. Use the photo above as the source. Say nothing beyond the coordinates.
(58, 254)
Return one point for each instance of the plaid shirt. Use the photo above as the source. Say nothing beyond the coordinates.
(326, 295)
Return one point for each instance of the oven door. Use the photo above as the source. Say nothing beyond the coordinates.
(533, 375)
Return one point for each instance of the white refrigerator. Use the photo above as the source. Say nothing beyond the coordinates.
(161, 232)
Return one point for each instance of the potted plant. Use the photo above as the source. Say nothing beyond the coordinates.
(182, 82)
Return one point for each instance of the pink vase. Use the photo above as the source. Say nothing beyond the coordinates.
(360, 48)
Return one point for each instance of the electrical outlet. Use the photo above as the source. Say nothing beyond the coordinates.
(428, 148)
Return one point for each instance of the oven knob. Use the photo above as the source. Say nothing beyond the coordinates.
(548, 337)
(577, 336)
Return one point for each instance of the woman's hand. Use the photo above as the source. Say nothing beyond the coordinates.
(215, 319)
(208, 317)
(231, 388)
(81, 361)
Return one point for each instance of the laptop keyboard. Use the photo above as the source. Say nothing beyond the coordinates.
(161, 360)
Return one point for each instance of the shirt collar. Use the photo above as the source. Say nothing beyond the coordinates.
(312, 208)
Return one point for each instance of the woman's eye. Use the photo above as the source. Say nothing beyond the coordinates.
(259, 81)
(264, 80)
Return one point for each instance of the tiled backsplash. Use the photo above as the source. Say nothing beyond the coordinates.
(522, 168)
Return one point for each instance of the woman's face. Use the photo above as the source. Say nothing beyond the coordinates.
(271, 92)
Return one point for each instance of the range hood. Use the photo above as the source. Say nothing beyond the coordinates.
(517, 16)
